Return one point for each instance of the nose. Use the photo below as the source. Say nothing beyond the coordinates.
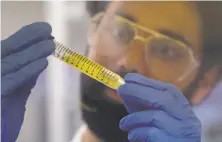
(133, 59)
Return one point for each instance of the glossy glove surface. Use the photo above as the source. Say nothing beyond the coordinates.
(158, 112)
(23, 58)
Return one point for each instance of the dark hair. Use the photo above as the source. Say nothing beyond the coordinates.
(94, 7)
(211, 16)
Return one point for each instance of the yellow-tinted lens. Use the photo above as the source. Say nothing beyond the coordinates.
(167, 59)
(123, 32)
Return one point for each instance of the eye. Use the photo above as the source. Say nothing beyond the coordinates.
(123, 32)
(166, 49)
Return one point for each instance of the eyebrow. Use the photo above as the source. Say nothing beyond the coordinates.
(173, 35)
(165, 32)
(127, 16)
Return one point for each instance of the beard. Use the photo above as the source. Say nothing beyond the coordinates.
(96, 90)
(104, 121)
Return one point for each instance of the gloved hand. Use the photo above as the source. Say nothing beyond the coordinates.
(23, 58)
(158, 112)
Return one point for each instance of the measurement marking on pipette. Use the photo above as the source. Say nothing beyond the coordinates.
(77, 60)
(72, 55)
(93, 68)
(62, 53)
(68, 56)
(102, 74)
(99, 72)
(87, 66)
(108, 78)
(105, 73)
(59, 46)
(87, 62)
(59, 50)
(80, 59)
(90, 63)
(74, 59)
(96, 68)
(66, 53)
(84, 61)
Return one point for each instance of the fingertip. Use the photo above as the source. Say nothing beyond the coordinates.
(140, 79)
(41, 64)
(121, 124)
(130, 136)
(130, 76)
(50, 46)
(144, 134)
(133, 136)
(135, 77)
(44, 62)
(36, 30)
(43, 49)
(44, 26)
(25, 37)
(122, 89)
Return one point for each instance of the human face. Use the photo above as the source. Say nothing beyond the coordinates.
(165, 46)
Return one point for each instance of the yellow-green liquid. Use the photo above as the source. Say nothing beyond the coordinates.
(87, 66)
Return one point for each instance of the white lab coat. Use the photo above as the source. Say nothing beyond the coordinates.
(78, 136)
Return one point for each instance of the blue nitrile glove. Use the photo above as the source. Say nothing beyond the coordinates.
(23, 58)
(158, 112)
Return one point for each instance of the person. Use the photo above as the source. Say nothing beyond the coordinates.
(147, 43)
(130, 41)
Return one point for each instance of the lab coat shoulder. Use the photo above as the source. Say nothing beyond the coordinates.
(78, 136)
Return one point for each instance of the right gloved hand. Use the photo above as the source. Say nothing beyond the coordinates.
(158, 112)
(23, 58)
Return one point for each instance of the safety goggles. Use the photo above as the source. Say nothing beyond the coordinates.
(168, 59)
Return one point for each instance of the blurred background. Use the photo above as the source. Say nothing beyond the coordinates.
(53, 113)
(53, 108)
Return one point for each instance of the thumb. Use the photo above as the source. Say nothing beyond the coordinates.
(133, 100)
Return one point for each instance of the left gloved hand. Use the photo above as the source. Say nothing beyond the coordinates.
(23, 58)
(158, 112)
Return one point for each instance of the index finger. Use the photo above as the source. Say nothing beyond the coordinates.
(141, 94)
(158, 85)
(139, 98)
(25, 36)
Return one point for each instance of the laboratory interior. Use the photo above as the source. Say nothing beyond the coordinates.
(53, 109)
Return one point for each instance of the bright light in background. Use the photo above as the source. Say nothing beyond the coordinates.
(55, 13)
(58, 14)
